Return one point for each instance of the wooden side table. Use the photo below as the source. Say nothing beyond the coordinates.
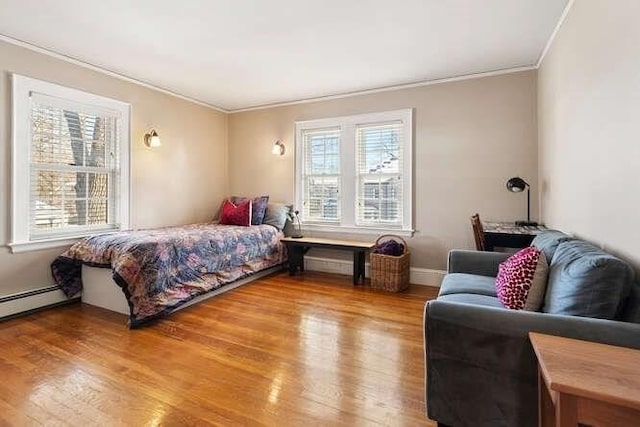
(297, 247)
(582, 383)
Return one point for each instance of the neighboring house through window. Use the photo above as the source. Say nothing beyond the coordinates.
(70, 165)
(354, 173)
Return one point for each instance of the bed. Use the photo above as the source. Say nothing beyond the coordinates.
(163, 269)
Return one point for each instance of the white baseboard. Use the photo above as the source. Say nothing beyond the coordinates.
(31, 300)
(426, 276)
(418, 276)
(21, 302)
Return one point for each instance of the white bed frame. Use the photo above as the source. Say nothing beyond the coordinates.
(99, 289)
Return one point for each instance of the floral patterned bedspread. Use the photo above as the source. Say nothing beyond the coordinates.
(161, 269)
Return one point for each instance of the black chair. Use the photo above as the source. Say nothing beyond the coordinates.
(478, 232)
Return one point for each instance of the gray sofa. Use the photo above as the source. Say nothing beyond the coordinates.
(480, 366)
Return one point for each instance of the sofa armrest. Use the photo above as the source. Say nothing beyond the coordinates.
(475, 262)
(481, 368)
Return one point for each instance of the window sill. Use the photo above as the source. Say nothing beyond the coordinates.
(37, 245)
(357, 230)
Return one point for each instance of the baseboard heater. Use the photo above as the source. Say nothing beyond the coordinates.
(22, 303)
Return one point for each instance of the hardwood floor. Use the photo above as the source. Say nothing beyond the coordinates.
(285, 351)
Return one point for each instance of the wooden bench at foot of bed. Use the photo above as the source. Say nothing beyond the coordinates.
(297, 247)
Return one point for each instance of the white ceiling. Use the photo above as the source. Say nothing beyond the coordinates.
(245, 53)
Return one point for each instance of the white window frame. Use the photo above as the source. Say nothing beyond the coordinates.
(22, 89)
(348, 176)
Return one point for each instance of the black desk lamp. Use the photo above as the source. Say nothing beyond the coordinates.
(518, 185)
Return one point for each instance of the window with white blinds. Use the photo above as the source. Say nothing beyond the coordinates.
(321, 174)
(379, 169)
(354, 173)
(70, 168)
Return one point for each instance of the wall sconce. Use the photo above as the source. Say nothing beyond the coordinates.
(151, 139)
(278, 148)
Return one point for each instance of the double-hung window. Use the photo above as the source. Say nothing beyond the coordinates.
(353, 173)
(70, 164)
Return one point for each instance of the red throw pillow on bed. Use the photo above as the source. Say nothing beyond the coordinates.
(258, 207)
(231, 214)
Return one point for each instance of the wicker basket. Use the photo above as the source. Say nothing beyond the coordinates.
(388, 272)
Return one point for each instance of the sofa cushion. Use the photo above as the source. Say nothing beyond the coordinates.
(585, 281)
(522, 280)
(463, 283)
(474, 299)
(548, 241)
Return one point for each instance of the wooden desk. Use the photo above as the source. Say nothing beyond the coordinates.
(508, 235)
(296, 249)
(586, 383)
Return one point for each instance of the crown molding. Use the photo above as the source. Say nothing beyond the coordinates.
(93, 67)
(410, 85)
(388, 88)
(565, 12)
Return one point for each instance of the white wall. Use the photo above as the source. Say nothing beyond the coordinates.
(589, 126)
(182, 182)
(470, 137)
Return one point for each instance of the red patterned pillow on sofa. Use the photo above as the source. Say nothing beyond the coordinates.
(231, 214)
(522, 280)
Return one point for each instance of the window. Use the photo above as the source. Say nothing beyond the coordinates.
(321, 179)
(354, 173)
(70, 164)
